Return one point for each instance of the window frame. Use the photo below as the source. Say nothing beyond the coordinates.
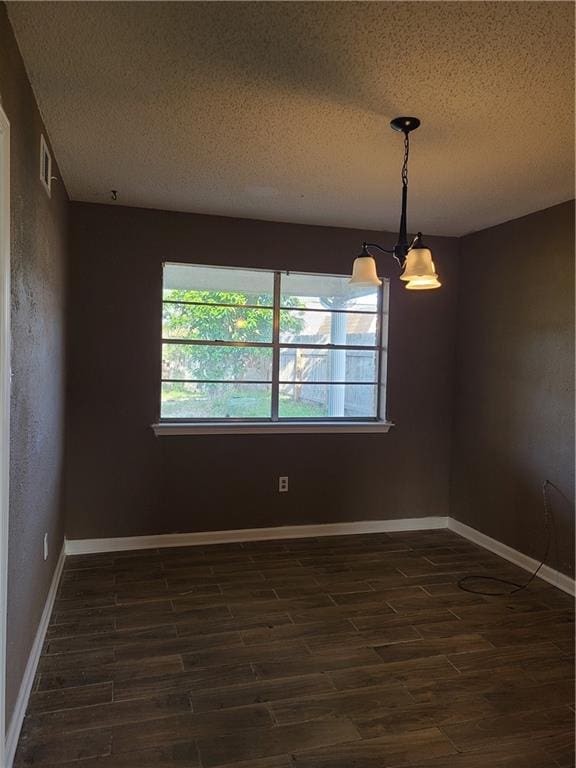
(378, 422)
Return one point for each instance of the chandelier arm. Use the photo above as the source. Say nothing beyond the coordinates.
(380, 248)
(415, 240)
(392, 252)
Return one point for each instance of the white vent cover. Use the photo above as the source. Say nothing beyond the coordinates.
(45, 166)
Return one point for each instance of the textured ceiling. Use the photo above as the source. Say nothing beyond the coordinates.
(280, 110)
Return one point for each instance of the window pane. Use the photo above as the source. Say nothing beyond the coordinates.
(220, 285)
(302, 327)
(326, 292)
(192, 361)
(185, 321)
(310, 365)
(215, 401)
(327, 401)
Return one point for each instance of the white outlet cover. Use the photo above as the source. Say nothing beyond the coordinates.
(45, 546)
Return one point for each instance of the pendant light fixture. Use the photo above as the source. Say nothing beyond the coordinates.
(419, 272)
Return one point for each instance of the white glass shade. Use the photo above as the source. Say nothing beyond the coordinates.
(423, 284)
(418, 264)
(364, 271)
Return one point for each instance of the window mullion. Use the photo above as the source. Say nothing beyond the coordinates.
(276, 347)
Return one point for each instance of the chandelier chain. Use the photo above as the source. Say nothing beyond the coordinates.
(405, 163)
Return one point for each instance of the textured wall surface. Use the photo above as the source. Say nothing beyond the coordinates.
(38, 237)
(514, 413)
(123, 481)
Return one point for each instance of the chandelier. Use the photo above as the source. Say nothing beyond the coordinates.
(418, 270)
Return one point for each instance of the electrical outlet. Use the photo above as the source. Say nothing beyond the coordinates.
(45, 546)
(283, 485)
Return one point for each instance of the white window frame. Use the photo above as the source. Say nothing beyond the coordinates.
(276, 423)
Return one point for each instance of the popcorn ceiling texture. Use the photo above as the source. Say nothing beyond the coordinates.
(280, 110)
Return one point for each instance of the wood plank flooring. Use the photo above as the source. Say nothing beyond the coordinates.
(339, 652)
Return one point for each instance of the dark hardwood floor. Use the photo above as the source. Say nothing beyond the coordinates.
(340, 652)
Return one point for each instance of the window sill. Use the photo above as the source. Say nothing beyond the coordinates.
(254, 428)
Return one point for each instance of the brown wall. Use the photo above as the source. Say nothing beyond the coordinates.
(123, 481)
(514, 412)
(38, 239)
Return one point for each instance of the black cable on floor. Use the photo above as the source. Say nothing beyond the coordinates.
(549, 525)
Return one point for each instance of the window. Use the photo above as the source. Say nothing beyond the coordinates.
(241, 345)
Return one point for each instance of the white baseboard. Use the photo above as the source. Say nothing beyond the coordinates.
(90, 546)
(94, 546)
(556, 578)
(13, 732)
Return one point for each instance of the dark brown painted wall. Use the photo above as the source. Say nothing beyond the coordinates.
(514, 413)
(123, 481)
(38, 240)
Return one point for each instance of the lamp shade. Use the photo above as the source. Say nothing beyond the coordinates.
(418, 264)
(423, 284)
(364, 271)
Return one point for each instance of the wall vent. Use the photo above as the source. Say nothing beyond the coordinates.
(45, 166)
